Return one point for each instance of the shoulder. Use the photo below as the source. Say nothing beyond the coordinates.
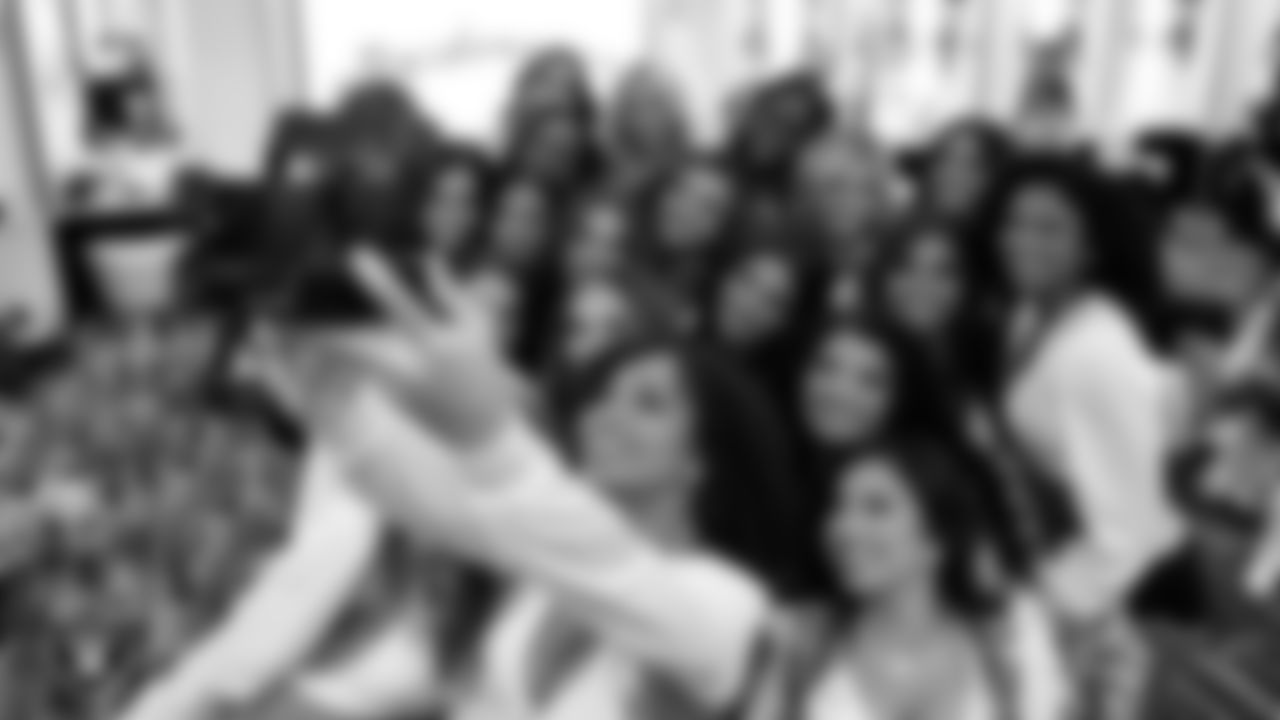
(1101, 342)
(724, 584)
(1100, 328)
(1031, 659)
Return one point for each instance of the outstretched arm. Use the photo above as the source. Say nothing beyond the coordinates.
(526, 513)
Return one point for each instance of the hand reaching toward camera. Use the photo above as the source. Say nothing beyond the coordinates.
(460, 387)
(440, 364)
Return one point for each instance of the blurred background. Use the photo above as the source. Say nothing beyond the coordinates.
(772, 181)
(216, 72)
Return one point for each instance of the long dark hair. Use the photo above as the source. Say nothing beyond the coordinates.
(745, 505)
(1118, 254)
(776, 121)
(941, 477)
(472, 160)
(912, 410)
(695, 273)
(969, 342)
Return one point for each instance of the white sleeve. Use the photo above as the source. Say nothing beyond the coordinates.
(694, 617)
(287, 610)
(392, 675)
(1263, 570)
(1110, 415)
(1045, 688)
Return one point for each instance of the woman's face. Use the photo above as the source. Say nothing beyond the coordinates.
(843, 189)
(638, 436)
(599, 244)
(452, 213)
(959, 178)
(1201, 262)
(1241, 472)
(757, 299)
(878, 536)
(302, 172)
(520, 229)
(597, 319)
(1043, 246)
(648, 117)
(497, 293)
(925, 291)
(774, 125)
(552, 146)
(694, 210)
(554, 82)
(848, 390)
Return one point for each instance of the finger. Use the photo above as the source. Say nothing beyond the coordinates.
(376, 277)
(449, 290)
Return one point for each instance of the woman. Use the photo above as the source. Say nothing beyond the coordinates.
(963, 170)
(845, 188)
(602, 236)
(670, 629)
(1218, 269)
(647, 132)
(551, 122)
(762, 311)
(554, 80)
(1086, 399)
(683, 450)
(776, 123)
(859, 385)
(924, 291)
(602, 312)
(521, 242)
(454, 203)
(693, 213)
(556, 148)
(387, 148)
(915, 629)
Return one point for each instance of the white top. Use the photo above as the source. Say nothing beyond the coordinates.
(1029, 653)
(1093, 407)
(692, 617)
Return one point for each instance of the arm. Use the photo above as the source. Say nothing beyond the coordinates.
(525, 512)
(1110, 417)
(391, 675)
(287, 610)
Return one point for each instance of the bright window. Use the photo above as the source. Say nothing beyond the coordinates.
(460, 57)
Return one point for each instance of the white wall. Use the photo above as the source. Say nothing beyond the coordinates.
(27, 276)
(230, 66)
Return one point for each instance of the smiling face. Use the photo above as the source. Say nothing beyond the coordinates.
(638, 435)
(599, 241)
(756, 299)
(926, 288)
(1043, 246)
(598, 318)
(959, 177)
(849, 390)
(555, 81)
(552, 146)
(695, 209)
(521, 225)
(451, 212)
(878, 537)
(1202, 261)
(844, 188)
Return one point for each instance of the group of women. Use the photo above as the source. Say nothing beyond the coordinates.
(792, 428)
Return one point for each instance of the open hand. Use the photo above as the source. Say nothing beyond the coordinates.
(441, 364)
